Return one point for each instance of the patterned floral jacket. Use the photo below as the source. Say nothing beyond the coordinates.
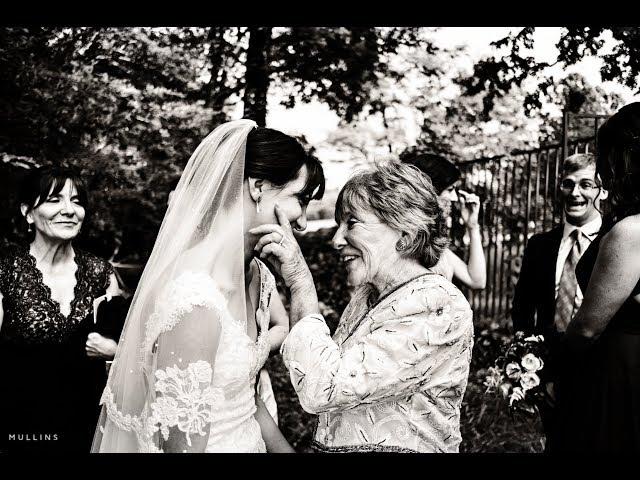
(393, 376)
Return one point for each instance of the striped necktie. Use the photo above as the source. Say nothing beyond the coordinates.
(566, 302)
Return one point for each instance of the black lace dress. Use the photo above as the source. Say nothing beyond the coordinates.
(599, 390)
(48, 383)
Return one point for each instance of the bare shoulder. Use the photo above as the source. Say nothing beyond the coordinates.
(444, 266)
(448, 254)
(624, 234)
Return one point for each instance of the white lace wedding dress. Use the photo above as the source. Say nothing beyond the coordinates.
(239, 359)
(189, 397)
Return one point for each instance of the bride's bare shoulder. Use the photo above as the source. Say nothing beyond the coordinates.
(194, 288)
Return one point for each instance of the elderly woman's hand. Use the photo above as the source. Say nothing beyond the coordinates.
(279, 246)
(98, 346)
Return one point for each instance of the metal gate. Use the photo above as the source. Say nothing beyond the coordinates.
(519, 197)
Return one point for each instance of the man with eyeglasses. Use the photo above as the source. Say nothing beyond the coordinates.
(547, 295)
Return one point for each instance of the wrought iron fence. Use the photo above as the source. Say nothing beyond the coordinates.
(519, 197)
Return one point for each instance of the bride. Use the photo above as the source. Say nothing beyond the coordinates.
(183, 378)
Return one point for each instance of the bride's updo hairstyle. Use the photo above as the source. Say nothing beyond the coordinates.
(274, 156)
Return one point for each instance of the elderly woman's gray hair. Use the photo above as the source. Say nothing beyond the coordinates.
(404, 198)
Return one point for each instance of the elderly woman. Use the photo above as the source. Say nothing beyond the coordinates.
(51, 352)
(393, 376)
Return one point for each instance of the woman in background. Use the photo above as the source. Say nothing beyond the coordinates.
(51, 356)
(599, 388)
(393, 375)
(445, 175)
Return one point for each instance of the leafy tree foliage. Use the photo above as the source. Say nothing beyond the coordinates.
(337, 66)
(495, 76)
(127, 106)
(122, 105)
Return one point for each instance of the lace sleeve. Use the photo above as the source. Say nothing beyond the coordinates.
(98, 272)
(185, 360)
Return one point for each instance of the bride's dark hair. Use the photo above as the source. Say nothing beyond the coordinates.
(274, 156)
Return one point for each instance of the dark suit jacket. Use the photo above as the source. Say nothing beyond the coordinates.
(533, 307)
(111, 316)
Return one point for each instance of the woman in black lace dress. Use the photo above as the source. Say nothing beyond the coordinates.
(52, 358)
(599, 392)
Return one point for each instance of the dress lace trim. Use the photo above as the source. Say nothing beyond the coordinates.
(189, 290)
(186, 399)
(267, 288)
(127, 423)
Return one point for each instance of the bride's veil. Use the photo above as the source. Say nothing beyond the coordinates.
(202, 233)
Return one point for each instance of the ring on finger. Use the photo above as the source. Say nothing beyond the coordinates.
(281, 241)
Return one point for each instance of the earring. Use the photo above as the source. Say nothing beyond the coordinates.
(30, 228)
(258, 205)
(401, 246)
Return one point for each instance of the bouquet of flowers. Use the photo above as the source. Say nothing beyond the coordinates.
(517, 372)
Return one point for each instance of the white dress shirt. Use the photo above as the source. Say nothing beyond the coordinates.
(590, 230)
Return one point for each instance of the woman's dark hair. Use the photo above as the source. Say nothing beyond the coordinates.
(274, 156)
(443, 172)
(618, 161)
(42, 182)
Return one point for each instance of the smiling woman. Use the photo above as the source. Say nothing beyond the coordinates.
(57, 213)
(393, 375)
(48, 341)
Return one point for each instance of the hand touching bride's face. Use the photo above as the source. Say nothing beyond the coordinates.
(291, 197)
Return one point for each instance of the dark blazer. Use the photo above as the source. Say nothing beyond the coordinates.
(534, 303)
(92, 372)
(111, 316)
(533, 307)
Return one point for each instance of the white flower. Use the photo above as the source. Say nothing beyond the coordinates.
(493, 379)
(531, 363)
(534, 338)
(529, 380)
(513, 370)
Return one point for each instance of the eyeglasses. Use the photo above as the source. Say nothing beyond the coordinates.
(585, 186)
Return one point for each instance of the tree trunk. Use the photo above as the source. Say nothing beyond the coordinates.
(216, 90)
(257, 75)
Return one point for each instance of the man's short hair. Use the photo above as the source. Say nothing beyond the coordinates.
(578, 161)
